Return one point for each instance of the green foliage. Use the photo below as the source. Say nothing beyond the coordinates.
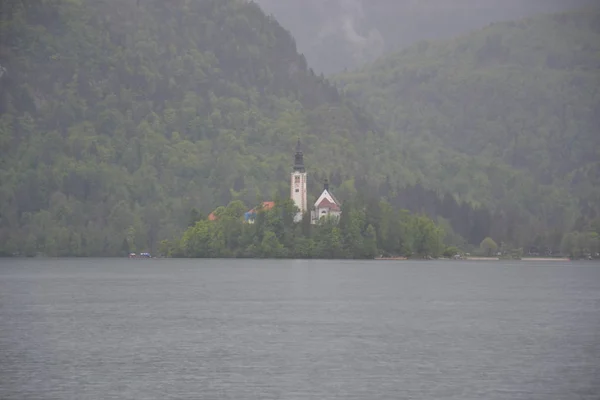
(488, 246)
(517, 254)
(505, 117)
(118, 118)
(581, 244)
(274, 234)
(451, 251)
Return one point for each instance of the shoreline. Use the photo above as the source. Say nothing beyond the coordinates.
(557, 259)
(398, 258)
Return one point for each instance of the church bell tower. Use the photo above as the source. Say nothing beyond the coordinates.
(298, 183)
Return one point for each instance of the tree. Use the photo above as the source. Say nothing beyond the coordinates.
(370, 243)
(195, 216)
(270, 246)
(451, 251)
(125, 247)
(488, 246)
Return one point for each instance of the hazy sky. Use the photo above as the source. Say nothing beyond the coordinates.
(338, 34)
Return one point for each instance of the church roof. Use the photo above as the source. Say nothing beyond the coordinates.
(325, 203)
(327, 200)
(266, 205)
(337, 202)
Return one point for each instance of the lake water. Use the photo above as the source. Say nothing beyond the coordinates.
(254, 329)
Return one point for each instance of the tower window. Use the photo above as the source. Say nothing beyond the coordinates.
(297, 178)
(297, 190)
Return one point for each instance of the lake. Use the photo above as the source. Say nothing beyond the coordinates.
(269, 329)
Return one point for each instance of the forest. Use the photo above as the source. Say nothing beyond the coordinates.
(122, 122)
(366, 229)
(520, 99)
(117, 120)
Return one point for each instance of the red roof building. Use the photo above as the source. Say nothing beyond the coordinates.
(326, 203)
(250, 215)
(326, 206)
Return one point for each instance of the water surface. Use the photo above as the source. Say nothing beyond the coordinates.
(254, 329)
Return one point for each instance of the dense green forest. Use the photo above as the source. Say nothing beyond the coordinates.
(339, 34)
(365, 229)
(122, 122)
(521, 100)
(117, 119)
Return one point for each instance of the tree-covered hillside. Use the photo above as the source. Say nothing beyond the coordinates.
(339, 34)
(521, 100)
(123, 123)
(119, 119)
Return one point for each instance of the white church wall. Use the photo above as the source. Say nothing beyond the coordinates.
(298, 190)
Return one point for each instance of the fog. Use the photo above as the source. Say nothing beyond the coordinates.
(343, 34)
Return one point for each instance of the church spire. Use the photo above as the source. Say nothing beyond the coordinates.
(299, 158)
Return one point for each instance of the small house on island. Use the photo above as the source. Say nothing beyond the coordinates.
(250, 215)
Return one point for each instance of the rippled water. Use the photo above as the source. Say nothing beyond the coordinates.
(203, 329)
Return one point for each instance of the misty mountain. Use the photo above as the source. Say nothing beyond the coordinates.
(117, 120)
(521, 94)
(343, 34)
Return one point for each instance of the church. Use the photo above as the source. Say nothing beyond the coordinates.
(326, 205)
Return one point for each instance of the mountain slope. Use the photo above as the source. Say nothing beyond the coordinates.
(339, 34)
(117, 118)
(522, 96)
